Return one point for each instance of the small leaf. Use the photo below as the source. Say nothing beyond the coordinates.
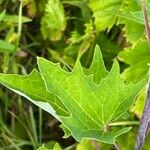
(2, 15)
(138, 57)
(133, 31)
(85, 145)
(13, 19)
(105, 12)
(132, 17)
(56, 147)
(53, 22)
(139, 105)
(86, 12)
(6, 47)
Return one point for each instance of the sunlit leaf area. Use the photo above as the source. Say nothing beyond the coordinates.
(74, 74)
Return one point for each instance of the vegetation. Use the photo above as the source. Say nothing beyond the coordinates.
(74, 74)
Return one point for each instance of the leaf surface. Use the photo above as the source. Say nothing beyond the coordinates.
(138, 57)
(105, 12)
(97, 68)
(32, 87)
(91, 106)
(13, 19)
(120, 12)
(55, 147)
(53, 22)
(131, 16)
(6, 47)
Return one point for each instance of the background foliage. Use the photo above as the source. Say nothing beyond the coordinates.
(61, 31)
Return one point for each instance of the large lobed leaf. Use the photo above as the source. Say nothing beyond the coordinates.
(92, 106)
(86, 101)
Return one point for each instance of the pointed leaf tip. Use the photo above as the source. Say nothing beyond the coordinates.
(97, 47)
(78, 67)
(97, 67)
(97, 52)
(115, 67)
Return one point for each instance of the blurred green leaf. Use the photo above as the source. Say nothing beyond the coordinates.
(6, 47)
(138, 59)
(131, 16)
(139, 105)
(86, 145)
(105, 12)
(86, 12)
(56, 147)
(53, 22)
(13, 19)
(2, 15)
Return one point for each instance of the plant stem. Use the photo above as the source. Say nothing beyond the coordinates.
(19, 25)
(116, 146)
(95, 144)
(70, 147)
(147, 27)
(33, 125)
(144, 125)
(40, 126)
(124, 123)
(18, 32)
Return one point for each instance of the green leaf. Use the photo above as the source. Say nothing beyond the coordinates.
(56, 147)
(138, 57)
(97, 68)
(105, 12)
(85, 106)
(133, 31)
(92, 107)
(111, 12)
(6, 47)
(13, 19)
(32, 87)
(66, 131)
(109, 48)
(140, 102)
(86, 12)
(2, 15)
(53, 22)
(85, 145)
(132, 17)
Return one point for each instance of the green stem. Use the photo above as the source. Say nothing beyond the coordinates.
(147, 27)
(40, 126)
(124, 123)
(18, 33)
(33, 125)
(144, 125)
(19, 25)
(70, 147)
